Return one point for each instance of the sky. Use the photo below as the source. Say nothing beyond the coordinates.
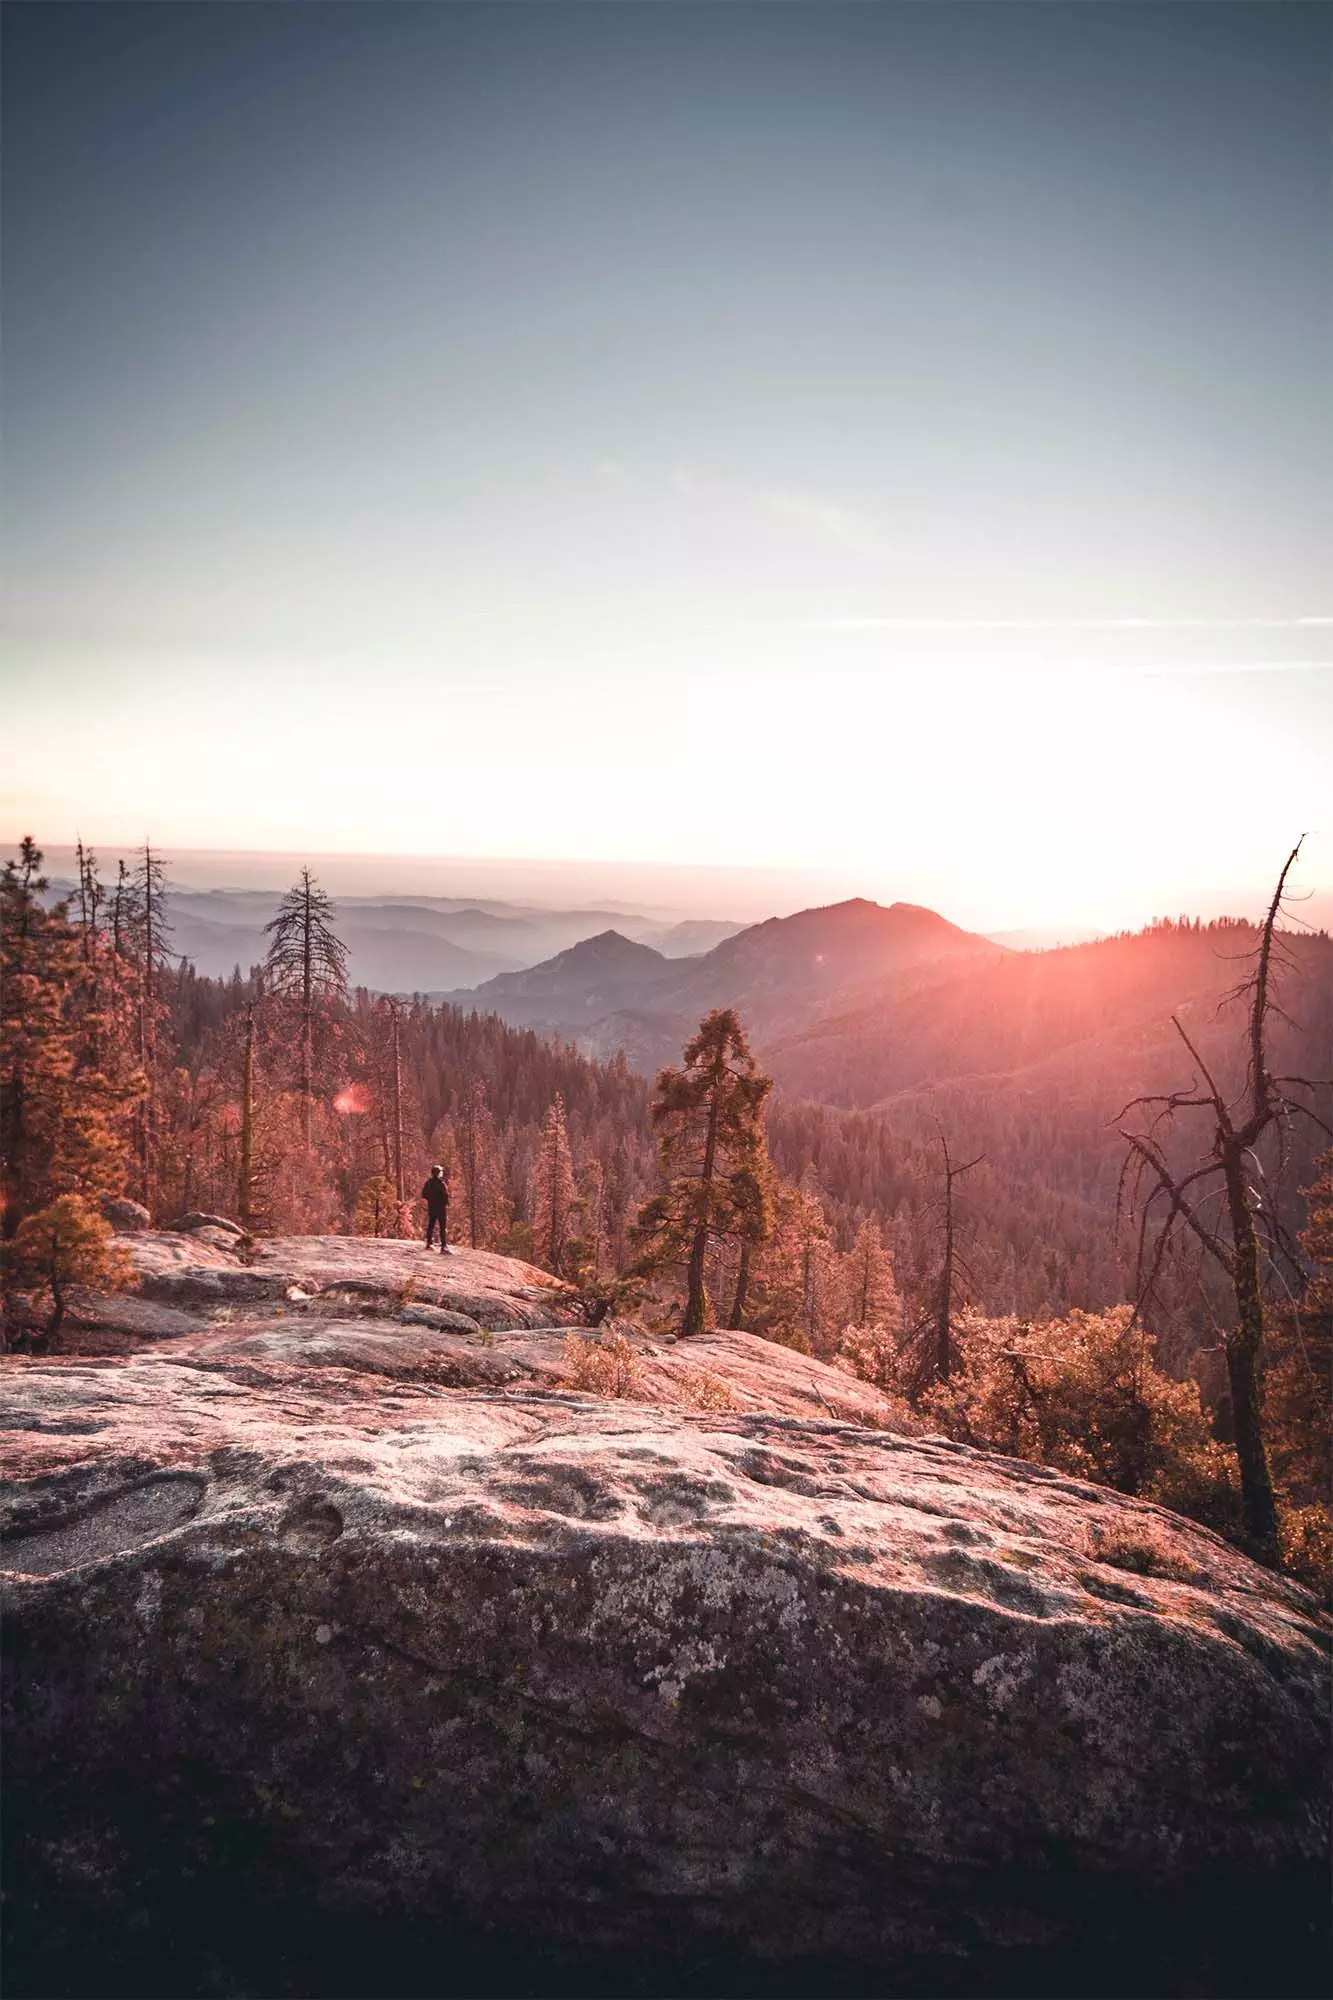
(887, 444)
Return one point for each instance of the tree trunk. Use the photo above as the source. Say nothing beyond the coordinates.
(1258, 1507)
(244, 1187)
(397, 1112)
(471, 1136)
(308, 1018)
(945, 1308)
(147, 1043)
(56, 1320)
(696, 1301)
(738, 1303)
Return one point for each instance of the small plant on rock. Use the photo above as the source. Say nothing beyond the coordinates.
(606, 1366)
(1142, 1549)
(704, 1391)
(58, 1248)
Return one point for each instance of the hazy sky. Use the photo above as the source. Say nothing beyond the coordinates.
(885, 439)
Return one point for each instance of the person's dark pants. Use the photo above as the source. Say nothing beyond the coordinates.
(434, 1222)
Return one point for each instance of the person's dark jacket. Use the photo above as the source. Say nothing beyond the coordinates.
(435, 1194)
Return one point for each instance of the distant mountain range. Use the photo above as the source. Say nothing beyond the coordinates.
(897, 1010)
(611, 992)
(400, 944)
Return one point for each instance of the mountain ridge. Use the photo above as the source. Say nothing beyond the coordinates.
(774, 972)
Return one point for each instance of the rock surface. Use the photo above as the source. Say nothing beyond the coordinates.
(125, 1216)
(326, 1677)
(206, 1268)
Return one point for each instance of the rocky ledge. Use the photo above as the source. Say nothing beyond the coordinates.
(326, 1677)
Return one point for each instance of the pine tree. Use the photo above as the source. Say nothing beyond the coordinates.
(592, 1202)
(149, 930)
(869, 1295)
(307, 963)
(554, 1208)
(60, 1246)
(752, 1188)
(58, 1116)
(245, 1179)
(482, 1174)
(376, 1208)
(708, 1115)
(797, 1290)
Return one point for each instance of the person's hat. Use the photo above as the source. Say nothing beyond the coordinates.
(437, 1170)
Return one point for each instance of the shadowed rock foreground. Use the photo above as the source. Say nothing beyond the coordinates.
(347, 1656)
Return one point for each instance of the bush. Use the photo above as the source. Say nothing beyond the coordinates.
(701, 1390)
(55, 1249)
(1306, 1541)
(1143, 1549)
(1084, 1394)
(603, 1367)
(874, 1354)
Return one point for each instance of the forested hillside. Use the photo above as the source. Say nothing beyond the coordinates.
(914, 1241)
(1022, 1058)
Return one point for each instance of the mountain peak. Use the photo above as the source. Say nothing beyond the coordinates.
(609, 948)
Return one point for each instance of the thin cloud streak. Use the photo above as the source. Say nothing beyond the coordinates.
(1317, 622)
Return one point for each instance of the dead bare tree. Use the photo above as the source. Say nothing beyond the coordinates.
(1243, 1235)
(943, 1344)
(929, 1349)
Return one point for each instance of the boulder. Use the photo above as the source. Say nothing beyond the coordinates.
(321, 1681)
(437, 1317)
(186, 1225)
(498, 1292)
(126, 1217)
(126, 1314)
(205, 1267)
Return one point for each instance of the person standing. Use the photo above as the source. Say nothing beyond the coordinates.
(435, 1194)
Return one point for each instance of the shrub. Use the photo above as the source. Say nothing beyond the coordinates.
(1141, 1548)
(704, 1391)
(603, 1367)
(57, 1248)
(874, 1354)
(1306, 1541)
(1084, 1394)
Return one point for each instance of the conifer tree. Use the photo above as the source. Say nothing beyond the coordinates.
(245, 1179)
(121, 906)
(58, 1118)
(708, 1115)
(592, 1201)
(797, 1290)
(149, 930)
(307, 963)
(376, 1208)
(554, 1207)
(870, 1297)
(481, 1170)
(752, 1189)
(60, 1246)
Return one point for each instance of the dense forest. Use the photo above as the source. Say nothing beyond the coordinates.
(297, 1105)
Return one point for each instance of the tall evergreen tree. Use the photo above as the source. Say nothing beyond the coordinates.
(797, 1290)
(479, 1164)
(556, 1195)
(307, 963)
(150, 930)
(708, 1115)
(869, 1294)
(58, 1118)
